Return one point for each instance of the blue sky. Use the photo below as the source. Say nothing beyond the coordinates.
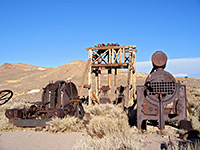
(51, 33)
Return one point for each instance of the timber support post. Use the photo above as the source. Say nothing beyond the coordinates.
(110, 57)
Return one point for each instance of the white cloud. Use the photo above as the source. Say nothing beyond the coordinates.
(184, 66)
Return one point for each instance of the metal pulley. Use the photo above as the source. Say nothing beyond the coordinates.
(5, 96)
(159, 59)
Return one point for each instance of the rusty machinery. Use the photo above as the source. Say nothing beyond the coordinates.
(160, 98)
(58, 100)
(5, 96)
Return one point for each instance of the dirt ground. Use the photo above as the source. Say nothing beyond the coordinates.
(23, 140)
(30, 140)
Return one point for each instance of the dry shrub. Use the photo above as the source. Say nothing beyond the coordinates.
(103, 110)
(2, 115)
(195, 122)
(67, 124)
(184, 145)
(101, 126)
(114, 141)
(106, 119)
(193, 96)
(18, 105)
(6, 126)
(107, 129)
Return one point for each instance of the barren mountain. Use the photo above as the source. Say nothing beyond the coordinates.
(27, 81)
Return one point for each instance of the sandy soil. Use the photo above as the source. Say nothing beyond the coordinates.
(30, 140)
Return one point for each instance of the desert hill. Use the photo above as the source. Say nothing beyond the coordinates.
(27, 81)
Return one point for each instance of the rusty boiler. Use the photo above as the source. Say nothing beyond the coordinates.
(160, 98)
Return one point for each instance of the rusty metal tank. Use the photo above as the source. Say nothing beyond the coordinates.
(160, 98)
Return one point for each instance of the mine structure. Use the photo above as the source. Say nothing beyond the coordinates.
(109, 58)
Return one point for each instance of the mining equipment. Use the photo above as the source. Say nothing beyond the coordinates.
(59, 99)
(160, 98)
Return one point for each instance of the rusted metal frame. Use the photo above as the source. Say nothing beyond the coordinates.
(140, 98)
(59, 97)
(112, 47)
(100, 56)
(29, 122)
(161, 120)
(76, 100)
(167, 92)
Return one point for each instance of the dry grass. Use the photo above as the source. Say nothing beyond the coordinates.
(184, 145)
(193, 96)
(12, 104)
(115, 141)
(106, 119)
(101, 126)
(107, 129)
(6, 126)
(67, 124)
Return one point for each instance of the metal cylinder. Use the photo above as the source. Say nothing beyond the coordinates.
(14, 113)
(159, 59)
(58, 113)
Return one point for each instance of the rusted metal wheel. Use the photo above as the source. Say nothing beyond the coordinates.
(5, 96)
(69, 92)
(79, 111)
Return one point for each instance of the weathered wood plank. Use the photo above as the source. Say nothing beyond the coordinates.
(85, 75)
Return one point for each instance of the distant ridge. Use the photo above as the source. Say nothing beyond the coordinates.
(23, 78)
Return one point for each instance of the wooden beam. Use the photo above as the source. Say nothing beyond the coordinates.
(123, 51)
(120, 55)
(109, 57)
(100, 56)
(115, 84)
(90, 79)
(123, 65)
(134, 77)
(88, 66)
